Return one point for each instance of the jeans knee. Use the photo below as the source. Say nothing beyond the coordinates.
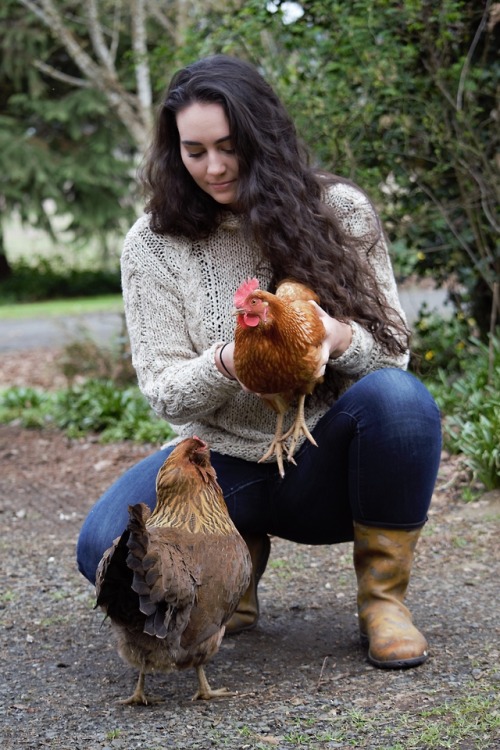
(84, 555)
(400, 391)
(394, 406)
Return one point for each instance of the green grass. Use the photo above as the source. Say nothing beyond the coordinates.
(469, 722)
(62, 307)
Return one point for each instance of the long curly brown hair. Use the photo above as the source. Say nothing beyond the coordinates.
(280, 196)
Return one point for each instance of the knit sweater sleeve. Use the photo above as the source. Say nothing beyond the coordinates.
(359, 220)
(177, 376)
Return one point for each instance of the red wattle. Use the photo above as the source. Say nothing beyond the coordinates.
(251, 321)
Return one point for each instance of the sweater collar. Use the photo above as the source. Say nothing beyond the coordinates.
(230, 220)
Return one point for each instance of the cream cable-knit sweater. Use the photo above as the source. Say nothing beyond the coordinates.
(178, 297)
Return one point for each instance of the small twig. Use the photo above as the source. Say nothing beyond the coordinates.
(321, 673)
(495, 306)
(468, 59)
(449, 483)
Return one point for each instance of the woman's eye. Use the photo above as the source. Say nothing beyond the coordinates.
(196, 155)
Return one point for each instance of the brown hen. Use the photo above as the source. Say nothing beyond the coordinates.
(174, 577)
(277, 353)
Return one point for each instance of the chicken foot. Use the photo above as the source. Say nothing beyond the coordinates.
(205, 692)
(138, 697)
(298, 428)
(276, 447)
(278, 444)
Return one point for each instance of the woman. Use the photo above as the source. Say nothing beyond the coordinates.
(231, 196)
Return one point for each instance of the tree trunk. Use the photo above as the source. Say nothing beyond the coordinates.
(5, 267)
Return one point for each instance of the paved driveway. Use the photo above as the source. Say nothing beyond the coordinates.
(30, 333)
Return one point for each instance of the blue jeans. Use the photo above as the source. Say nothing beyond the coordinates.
(376, 463)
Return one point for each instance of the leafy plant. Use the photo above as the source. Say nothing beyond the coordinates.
(96, 406)
(471, 407)
(441, 343)
(29, 406)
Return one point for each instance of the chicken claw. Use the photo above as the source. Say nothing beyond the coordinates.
(205, 692)
(278, 444)
(276, 447)
(138, 697)
(298, 428)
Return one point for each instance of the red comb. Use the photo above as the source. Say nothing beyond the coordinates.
(248, 286)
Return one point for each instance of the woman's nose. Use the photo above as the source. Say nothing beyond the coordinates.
(215, 164)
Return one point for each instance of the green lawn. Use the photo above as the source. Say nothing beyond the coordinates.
(51, 308)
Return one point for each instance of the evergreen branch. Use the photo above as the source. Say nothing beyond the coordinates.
(58, 75)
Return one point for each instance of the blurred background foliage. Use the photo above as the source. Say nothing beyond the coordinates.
(401, 97)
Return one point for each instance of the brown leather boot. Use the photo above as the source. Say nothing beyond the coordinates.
(247, 612)
(383, 559)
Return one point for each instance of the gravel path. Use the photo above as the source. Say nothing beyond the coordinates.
(302, 676)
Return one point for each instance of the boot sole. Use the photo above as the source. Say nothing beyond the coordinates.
(242, 629)
(394, 663)
(398, 663)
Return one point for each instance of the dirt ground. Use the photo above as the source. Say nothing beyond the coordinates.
(302, 676)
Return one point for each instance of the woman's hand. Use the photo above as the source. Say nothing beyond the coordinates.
(338, 337)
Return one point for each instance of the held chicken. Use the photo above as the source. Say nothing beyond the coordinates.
(277, 353)
(174, 577)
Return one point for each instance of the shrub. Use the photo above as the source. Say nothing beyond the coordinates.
(96, 406)
(440, 344)
(44, 279)
(470, 403)
(31, 407)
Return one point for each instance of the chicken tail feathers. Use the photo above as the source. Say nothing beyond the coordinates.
(161, 579)
(158, 622)
(113, 582)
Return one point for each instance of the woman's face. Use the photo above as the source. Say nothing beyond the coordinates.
(207, 150)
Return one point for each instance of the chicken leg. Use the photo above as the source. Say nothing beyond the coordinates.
(276, 447)
(138, 697)
(205, 692)
(298, 428)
